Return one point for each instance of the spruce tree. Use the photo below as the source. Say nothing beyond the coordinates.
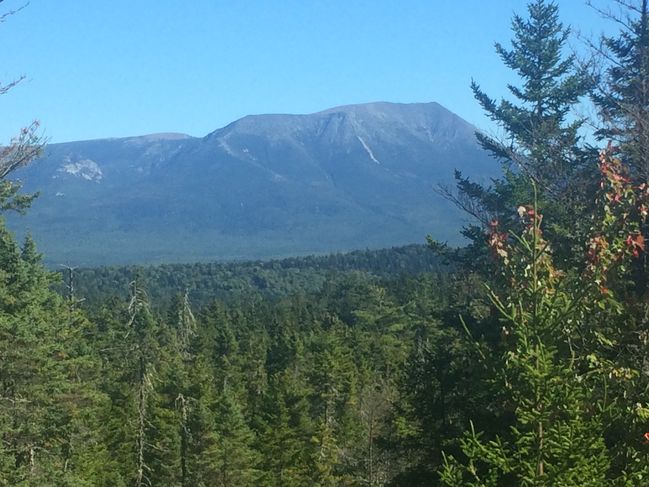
(286, 433)
(44, 361)
(540, 135)
(557, 435)
(230, 460)
(622, 96)
(132, 365)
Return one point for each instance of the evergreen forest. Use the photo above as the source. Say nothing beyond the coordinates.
(519, 359)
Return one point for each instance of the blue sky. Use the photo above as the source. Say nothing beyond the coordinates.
(129, 67)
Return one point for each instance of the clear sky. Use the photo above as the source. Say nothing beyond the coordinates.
(129, 67)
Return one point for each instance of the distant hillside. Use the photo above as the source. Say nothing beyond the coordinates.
(265, 186)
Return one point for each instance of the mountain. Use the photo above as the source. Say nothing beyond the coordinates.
(358, 176)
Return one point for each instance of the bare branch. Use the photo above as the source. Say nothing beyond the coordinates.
(9, 13)
(10, 85)
(23, 149)
(464, 203)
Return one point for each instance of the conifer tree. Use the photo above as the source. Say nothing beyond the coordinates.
(557, 437)
(43, 359)
(180, 380)
(195, 410)
(231, 460)
(132, 362)
(286, 433)
(539, 141)
(47, 372)
(622, 96)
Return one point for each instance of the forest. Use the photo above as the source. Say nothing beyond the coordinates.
(519, 359)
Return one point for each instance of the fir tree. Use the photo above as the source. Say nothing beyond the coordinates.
(540, 136)
(622, 97)
(231, 460)
(286, 433)
(43, 358)
(557, 437)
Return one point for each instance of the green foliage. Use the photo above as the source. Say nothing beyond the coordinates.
(45, 364)
(570, 325)
(540, 137)
(556, 437)
(232, 281)
(622, 96)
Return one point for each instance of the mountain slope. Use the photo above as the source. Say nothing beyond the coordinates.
(264, 186)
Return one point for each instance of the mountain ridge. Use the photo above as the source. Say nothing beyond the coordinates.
(354, 176)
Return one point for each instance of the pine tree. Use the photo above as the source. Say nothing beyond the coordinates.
(623, 95)
(540, 140)
(286, 433)
(557, 437)
(231, 460)
(44, 361)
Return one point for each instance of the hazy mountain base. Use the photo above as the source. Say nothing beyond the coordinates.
(94, 245)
